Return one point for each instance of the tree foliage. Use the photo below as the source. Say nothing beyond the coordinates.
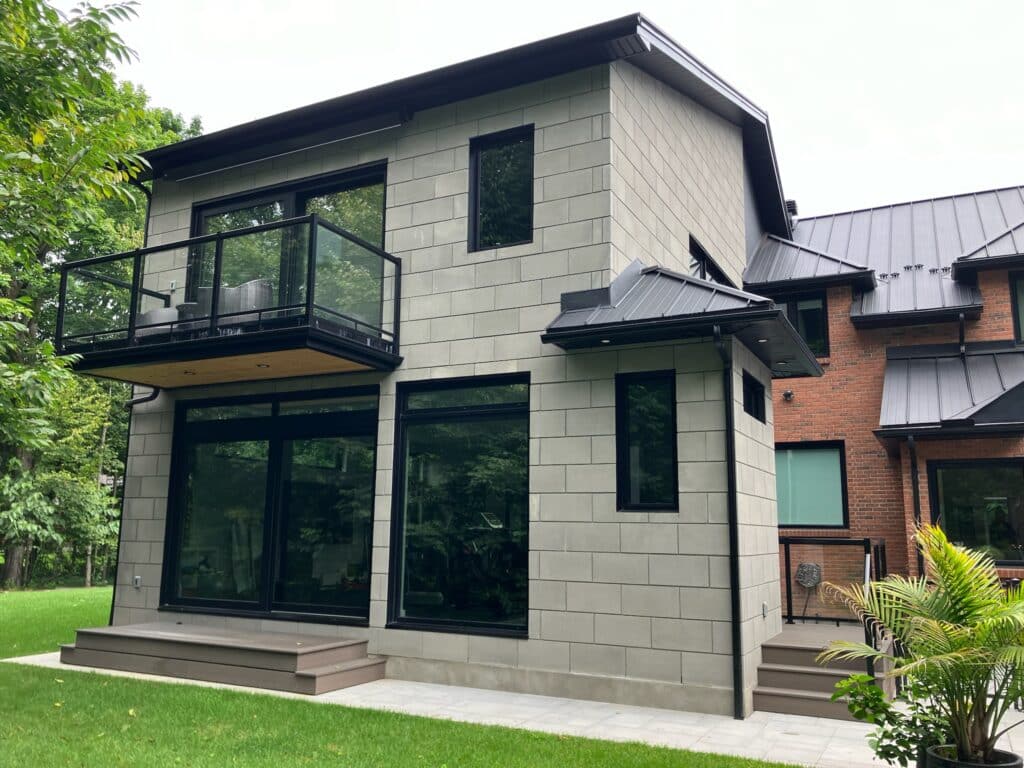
(70, 144)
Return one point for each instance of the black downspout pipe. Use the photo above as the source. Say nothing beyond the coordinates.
(739, 709)
(916, 493)
(130, 405)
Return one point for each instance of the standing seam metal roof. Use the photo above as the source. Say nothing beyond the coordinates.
(934, 389)
(777, 259)
(913, 246)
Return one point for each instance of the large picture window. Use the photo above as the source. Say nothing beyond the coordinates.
(811, 483)
(461, 523)
(645, 438)
(271, 506)
(980, 504)
(501, 189)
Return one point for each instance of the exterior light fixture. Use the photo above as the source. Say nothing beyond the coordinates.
(762, 341)
(606, 341)
(262, 365)
(788, 395)
(190, 373)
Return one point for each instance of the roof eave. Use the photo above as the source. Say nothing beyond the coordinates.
(949, 430)
(967, 269)
(864, 281)
(916, 316)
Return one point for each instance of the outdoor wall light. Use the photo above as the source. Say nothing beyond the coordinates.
(262, 365)
(788, 395)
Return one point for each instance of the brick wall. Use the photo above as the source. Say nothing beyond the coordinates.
(845, 404)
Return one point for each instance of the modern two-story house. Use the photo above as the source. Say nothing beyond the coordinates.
(510, 375)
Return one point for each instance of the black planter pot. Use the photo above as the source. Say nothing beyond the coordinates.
(936, 758)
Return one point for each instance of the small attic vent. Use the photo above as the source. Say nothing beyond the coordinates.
(791, 208)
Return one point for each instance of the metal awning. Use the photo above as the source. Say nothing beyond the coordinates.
(657, 304)
(937, 389)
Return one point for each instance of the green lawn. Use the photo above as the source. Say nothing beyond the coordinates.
(39, 621)
(63, 718)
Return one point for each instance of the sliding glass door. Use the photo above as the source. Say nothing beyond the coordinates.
(271, 507)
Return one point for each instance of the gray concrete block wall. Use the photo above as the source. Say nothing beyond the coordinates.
(760, 601)
(628, 606)
(677, 170)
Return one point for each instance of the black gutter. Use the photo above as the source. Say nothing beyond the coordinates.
(969, 268)
(916, 316)
(739, 709)
(863, 280)
(961, 429)
(916, 492)
(130, 405)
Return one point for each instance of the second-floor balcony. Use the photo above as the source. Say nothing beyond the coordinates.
(296, 297)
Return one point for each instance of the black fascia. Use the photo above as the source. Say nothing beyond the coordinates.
(967, 269)
(917, 316)
(863, 280)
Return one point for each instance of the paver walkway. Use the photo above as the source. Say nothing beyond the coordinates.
(808, 741)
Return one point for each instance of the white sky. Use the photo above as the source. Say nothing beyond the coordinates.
(870, 102)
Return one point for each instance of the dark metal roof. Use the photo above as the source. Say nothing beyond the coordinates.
(632, 37)
(933, 388)
(654, 304)
(913, 247)
(1005, 248)
(783, 264)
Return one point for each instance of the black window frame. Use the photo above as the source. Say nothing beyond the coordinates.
(754, 397)
(425, 415)
(622, 483)
(293, 196)
(269, 428)
(933, 467)
(707, 268)
(813, 444)
(789, 302)
(1016, 278)
(487, 141)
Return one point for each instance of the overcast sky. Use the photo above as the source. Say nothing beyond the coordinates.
(870, 102)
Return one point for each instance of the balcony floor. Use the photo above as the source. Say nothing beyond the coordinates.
(257, 366)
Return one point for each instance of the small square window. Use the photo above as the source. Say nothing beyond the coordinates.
(811, 485)
(753, 397)
(645, 440)
(501, 189)
(809, 315)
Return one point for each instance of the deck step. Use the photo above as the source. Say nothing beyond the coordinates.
(277, 661)
(796, 655)
(801, 678)
(789, 701)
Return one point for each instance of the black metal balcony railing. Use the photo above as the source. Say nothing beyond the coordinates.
(300, 272)
(810, 561)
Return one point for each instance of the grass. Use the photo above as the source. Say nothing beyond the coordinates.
(63, 718)
(38, 621)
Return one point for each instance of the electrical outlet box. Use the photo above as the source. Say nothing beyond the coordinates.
(136, 581)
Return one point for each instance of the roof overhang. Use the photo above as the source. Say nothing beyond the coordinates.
(967, 269)
(766, 332)
(862, 281)
(631, 38)
(917, 316)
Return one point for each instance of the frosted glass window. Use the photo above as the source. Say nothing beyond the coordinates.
(810, 486)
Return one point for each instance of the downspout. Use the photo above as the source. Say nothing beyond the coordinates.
(915, 491)
(734, 528)
(130, 405)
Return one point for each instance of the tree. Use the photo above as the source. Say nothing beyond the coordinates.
(70, 138)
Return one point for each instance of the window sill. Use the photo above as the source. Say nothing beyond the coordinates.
(304, 618)
(514, 633)
(478, 249)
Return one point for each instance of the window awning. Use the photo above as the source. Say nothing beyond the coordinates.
(937, 390)
(657, 304)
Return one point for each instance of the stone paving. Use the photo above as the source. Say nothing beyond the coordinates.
(806, 741)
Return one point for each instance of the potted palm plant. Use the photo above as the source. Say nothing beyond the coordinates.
(955, 633)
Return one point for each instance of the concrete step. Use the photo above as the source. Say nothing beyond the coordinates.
(788, 701)
(800, 678)
(263, 650)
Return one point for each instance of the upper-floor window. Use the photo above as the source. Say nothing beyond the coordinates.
(645, 437)
(1017, 300)
(809, 315)
(753, 397)
(501, 189)
(704, 267)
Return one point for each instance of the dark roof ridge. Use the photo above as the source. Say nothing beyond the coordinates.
(816, 252)
(972, 254)
(897, 204)
(738, 293)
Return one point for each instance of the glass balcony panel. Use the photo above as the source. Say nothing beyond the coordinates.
(349, 284)
(263, 270)
(97, 303)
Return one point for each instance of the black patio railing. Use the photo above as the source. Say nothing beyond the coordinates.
(302, 271)
(810, 561)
